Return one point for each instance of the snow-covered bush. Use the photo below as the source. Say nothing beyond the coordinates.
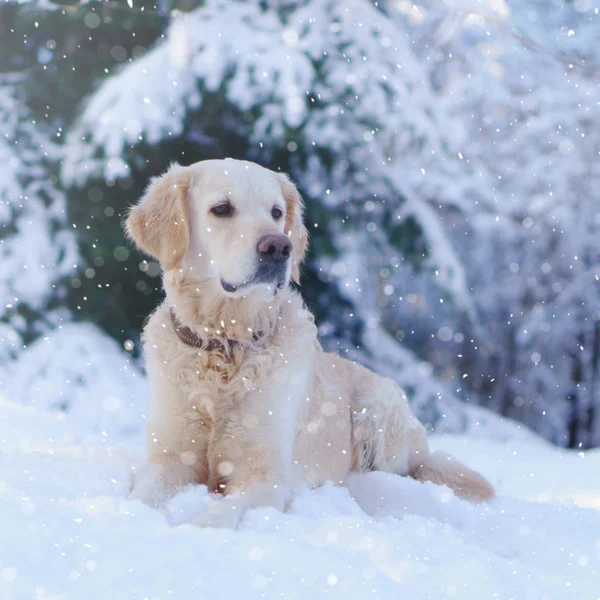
(522, 79)
(37, 251)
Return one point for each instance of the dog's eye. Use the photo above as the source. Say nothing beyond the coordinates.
(276, 213)
(222, 210)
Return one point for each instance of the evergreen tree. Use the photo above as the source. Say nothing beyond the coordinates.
(37, 252)
(304, 87)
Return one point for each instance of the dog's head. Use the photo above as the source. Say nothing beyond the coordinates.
(233, 222)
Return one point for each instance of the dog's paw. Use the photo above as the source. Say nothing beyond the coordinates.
(224, 513)
(228, 511)
(145, 486)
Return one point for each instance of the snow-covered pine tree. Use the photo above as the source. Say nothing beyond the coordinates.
(37, 250)
(326, 91)
(46, 360)
(521, 78)
(61, 51)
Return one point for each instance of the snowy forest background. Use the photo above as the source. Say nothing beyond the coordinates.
(448, 152)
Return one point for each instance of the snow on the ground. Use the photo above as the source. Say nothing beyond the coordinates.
(78, 369)
(68, 531)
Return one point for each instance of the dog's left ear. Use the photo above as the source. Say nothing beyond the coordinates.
(159, 222)
(294, 227)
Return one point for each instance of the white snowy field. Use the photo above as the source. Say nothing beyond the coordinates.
(68, 531)
(72, 433)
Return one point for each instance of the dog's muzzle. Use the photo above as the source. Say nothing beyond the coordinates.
(274, 252)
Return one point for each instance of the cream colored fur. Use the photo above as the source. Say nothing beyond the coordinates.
(274, 410)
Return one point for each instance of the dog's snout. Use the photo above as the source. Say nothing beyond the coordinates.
(274, 247)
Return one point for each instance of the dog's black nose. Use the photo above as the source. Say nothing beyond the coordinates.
(274, 247)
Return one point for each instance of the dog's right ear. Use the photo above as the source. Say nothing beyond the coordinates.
(158, 223)
(294, 227)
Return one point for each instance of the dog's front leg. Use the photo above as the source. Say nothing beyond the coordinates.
(250, 456)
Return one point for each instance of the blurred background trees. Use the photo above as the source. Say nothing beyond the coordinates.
(447, 152)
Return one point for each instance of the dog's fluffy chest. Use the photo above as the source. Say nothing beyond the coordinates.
(214, 381)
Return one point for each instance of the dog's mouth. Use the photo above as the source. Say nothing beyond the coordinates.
(273, 275)
(232, 288)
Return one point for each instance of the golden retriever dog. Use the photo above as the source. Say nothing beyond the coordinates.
(244, 399)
